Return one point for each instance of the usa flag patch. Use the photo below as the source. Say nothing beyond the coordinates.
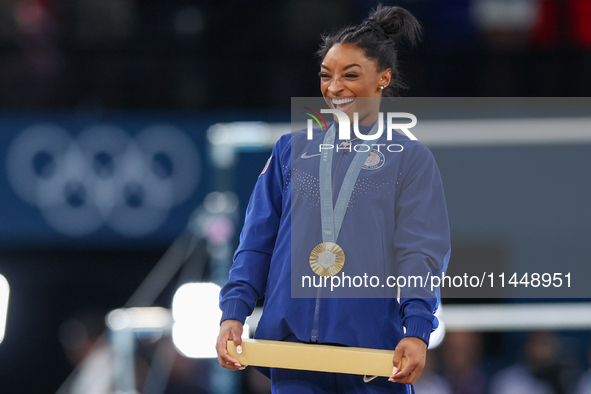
(266, 166)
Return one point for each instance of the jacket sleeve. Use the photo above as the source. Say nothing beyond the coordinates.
(250, 268)
(421, 240)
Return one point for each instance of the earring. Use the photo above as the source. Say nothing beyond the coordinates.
(382, 87)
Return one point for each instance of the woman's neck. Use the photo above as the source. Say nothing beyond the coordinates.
(367, 120)
(370, 119)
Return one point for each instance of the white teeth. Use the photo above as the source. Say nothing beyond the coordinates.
(342, 101)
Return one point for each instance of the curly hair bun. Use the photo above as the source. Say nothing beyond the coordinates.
(396, 23)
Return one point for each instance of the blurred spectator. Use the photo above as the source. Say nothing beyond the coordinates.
(584, 384)
(31, 74)
(461, 354)
(159, 368)
(85, 348)
(170, 372)
(507, 25)
(430, 382)
(564, 21)
(540, 373)
(89, 350)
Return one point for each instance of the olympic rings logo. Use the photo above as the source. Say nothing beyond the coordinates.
(103, 176)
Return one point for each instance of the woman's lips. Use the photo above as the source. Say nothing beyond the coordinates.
(342, 103)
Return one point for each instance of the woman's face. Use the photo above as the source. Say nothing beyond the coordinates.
(345, 75)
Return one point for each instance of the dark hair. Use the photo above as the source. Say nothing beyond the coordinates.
(379, 36)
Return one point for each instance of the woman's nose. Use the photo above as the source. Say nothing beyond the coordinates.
(335, 86)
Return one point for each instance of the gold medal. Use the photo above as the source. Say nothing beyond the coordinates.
(327, 259)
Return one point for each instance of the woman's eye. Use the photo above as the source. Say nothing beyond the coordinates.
(351, 75)
(323, 75)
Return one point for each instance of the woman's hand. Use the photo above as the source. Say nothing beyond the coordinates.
(229, 330)
(415, 351)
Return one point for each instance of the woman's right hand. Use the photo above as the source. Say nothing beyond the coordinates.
(230, 330)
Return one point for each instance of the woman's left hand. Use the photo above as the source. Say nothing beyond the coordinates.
(415, 351)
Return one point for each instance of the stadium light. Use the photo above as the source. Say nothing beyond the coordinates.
(147, 319)
(4, 291)
(197, 319)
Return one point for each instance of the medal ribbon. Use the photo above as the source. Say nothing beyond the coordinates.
(332, 218)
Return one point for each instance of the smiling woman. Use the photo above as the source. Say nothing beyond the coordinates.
(389, 216)
(361, 61)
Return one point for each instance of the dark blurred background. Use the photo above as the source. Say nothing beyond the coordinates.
(195, 55)
(135, 64)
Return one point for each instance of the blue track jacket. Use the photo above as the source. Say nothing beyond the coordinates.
(396, 218)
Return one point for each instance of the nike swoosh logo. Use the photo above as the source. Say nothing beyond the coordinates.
(306, 156)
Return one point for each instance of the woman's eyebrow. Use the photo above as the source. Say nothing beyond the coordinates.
(351, 65)
(344, 68)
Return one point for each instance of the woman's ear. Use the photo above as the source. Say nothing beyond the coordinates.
(385, 77)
